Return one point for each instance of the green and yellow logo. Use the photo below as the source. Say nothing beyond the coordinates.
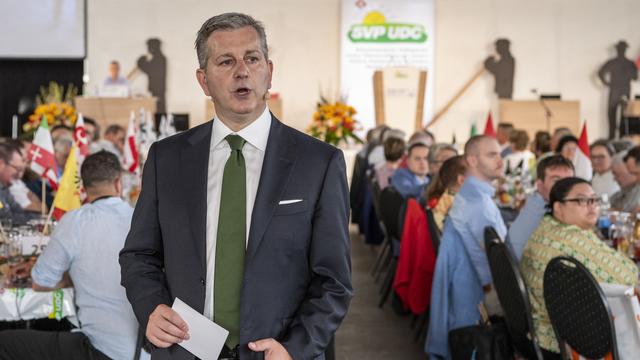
(374, 28)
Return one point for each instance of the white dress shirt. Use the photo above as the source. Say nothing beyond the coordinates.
(256, 136)
(604, 183)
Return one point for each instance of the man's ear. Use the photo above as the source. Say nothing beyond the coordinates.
(201, 76)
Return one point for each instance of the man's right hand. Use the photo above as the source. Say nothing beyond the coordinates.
(166, 327)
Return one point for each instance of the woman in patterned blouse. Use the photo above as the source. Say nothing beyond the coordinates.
(568, 231)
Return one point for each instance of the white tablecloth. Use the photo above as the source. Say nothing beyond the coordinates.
(27, 304)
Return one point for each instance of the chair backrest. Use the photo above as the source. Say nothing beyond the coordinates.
(512, 293)
(578, 309)
(434, 231)
(391, 202)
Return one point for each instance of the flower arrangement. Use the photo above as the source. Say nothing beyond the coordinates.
(334, 122)
(56, 104)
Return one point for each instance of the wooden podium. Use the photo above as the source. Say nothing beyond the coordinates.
(108, 111)
(633, 109)
(274, 104)
(529, 115)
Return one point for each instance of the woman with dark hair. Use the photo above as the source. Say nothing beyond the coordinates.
(441, 192)
(567, 230)
(567, 147)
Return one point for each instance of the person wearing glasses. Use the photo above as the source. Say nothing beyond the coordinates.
(11, 166)
(567, 230)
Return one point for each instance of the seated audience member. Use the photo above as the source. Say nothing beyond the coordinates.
(549, 171)
(567, 147)
(11, 166)
(462, 275)
(376, 156)
(558, 134)
(541, 144)
(27, 199)
(85, 244)
(444, 187)
(602, 180)
(93, 134)
(410, 182)
(621, 145)
(393, 151)
(568, 231)
(421, 136)
(62, 137)
(628, 198)
(113, 141)
(520, 160)
(438, 154)
(503, 135)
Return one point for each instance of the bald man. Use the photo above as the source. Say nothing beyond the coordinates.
(462, 275)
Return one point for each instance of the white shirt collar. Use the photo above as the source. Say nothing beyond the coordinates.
(256, 134)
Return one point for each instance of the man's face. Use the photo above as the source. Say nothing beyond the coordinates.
(487, 161)
(551, 176)
(11, 171)
(237, 75)
(114, 71)
(91, 132)
(117, 139)
(418, 162)
(502, 135)
(600, 159)
(443, 155)
(633, 168)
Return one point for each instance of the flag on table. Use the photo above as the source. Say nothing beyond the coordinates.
(68, 195)
(474, 130)
(130, 146)
(147, 133)
(167, 127)
(43, 162)
(488, 129)
(581, 160)
(81, 139)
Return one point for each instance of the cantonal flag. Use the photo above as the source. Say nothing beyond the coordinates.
(130, 147)
(68, 195)
(488, 129)
(80, 138)
(581, 160)
(41, 155)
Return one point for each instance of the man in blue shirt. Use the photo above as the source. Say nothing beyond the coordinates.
(410, 182)
(549, 170)
(462, 271)
(84, 247)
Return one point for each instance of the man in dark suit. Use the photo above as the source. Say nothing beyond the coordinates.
(243, 218)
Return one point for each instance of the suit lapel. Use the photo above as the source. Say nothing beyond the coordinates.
(195, 165)
(279, 159)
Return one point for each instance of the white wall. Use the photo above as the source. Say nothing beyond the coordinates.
(302, 35)
(558, 46)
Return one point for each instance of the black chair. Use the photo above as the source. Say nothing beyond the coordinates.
(578, 309)
(391, 203)
(513, 295)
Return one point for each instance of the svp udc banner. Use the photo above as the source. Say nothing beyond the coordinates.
(377, 34)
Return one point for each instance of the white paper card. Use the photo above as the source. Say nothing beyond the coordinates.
(206, 338)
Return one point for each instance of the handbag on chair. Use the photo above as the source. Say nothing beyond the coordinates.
(487, 341)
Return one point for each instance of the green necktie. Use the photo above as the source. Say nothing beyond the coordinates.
(230, 243)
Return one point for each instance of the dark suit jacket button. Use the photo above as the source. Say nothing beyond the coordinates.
(202, 281)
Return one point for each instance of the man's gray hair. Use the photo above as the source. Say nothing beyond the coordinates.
(619, 157)
(435, 149)
(227, 21)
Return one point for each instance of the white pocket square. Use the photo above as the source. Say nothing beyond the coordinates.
(287, 202)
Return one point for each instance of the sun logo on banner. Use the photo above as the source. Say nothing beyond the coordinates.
(374, 18)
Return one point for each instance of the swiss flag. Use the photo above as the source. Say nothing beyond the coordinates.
(488, 129)
(41, 155)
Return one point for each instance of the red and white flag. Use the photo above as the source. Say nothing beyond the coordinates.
(43, 162)
(581, 160)
(488, 129)
(130, 147)
(81, 139)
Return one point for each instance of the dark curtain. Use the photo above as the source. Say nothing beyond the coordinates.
(20, 81)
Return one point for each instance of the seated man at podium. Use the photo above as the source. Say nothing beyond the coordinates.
(115, 85)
